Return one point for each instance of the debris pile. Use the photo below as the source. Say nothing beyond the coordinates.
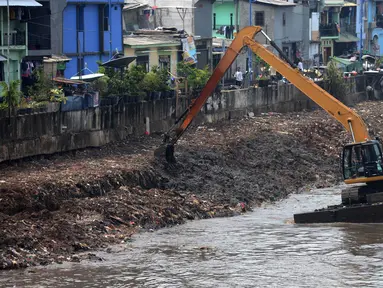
(60, 208)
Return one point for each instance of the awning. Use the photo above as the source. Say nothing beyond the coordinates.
(119, 62)
(56, 59)
(346, 38)
(23, 3)
(349, 4)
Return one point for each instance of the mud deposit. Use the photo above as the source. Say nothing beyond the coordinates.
(60, 208)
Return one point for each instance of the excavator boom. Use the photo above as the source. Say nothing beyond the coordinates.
(346, 116)
(350, 120)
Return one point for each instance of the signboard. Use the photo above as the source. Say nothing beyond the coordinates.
(189, 50)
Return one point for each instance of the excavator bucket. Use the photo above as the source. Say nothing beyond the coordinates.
(165, 151)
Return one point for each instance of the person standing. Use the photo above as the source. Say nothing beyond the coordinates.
(238, 77)
(300, 65)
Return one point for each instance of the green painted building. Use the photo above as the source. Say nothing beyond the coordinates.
(224, 15)
(17, 38)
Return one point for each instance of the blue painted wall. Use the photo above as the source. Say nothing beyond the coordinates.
(91, 27)
(69, 29)
(90, 38)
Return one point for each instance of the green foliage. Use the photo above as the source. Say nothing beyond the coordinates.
(334, 81)
(101, 85)
(197, 78)
(11, 94)
(41, 90)
(258, 61)
(151, 82)
(135, 75)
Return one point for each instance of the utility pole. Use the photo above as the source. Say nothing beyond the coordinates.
(361, 29)
(110, 29)
(250, 52)
(8, 63)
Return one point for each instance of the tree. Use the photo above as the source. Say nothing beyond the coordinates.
(334, 81)
(13, 94)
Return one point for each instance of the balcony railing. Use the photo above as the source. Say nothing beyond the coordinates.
(16, 38)
(348, 28)
(328, 30)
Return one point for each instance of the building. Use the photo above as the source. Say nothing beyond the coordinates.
(225, 19)
(287, 23)
(137, 16)
(17, 38)
(91, 30)
(337, 28)
(170, 13)
(315, 57)
(157, 49)
(372, 27)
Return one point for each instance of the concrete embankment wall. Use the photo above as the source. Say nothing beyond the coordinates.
(50, 132)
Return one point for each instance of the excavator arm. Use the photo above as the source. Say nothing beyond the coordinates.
(346, 116)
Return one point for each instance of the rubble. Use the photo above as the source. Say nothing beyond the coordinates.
(62, 207)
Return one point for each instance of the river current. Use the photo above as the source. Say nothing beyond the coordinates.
(259, 249)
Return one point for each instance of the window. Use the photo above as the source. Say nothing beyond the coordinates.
(214, 21)
(106, 18)
(143, 60)
(164, 61)
(284, 19)
(260, 18)
(80, 20)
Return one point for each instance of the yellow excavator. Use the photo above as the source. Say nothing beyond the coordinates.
(361, 159)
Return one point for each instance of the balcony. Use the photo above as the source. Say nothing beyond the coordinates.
(16, 40)
(328, 30)
(348, 28)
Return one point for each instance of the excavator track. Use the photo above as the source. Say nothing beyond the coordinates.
(360, 204)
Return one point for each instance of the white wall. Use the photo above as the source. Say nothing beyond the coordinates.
(169, 17)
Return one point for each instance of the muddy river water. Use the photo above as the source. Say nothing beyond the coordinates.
(259, 249)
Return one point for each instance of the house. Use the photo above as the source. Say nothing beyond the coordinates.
(314, 58)
(337, 28)
(137, 16)
(287, 23)
(92, 32)
(17, 38)
(45, 32)
(372, 27)
(170, 13)
(225, 19)
(154, 48)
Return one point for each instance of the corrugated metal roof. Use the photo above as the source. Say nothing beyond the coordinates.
(276, 3)
(131, 6)
(146, 41)
(56, 59)
(23, 3)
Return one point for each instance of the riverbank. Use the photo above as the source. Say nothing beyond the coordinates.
(55, 208)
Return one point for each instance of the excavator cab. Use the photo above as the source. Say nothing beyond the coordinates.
(362, 160)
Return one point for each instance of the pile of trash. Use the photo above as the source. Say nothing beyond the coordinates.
(61, 208)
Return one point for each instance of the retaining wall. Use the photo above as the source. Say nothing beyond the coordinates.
(56, 131)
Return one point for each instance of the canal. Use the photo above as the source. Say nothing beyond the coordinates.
(259, 249)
